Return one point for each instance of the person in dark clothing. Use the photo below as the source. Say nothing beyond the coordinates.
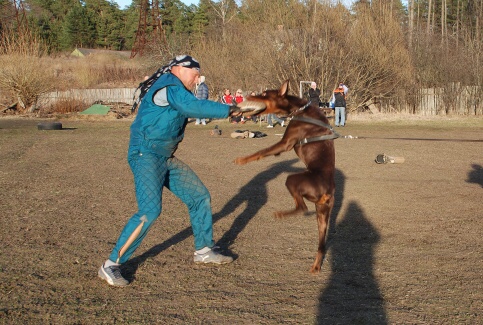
(314, 94)
(339, 104)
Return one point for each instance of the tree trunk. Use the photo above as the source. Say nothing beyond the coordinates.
(411, 21)
(443, 21)
(458, 23)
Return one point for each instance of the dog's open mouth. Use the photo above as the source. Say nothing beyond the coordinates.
(250, 108)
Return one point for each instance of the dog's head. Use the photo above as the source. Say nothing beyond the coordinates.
(273, 101)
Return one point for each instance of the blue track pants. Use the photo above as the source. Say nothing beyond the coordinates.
(151, 173)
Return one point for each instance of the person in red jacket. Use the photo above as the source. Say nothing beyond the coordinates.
(239, 96)
(238, 99)
(227, 98)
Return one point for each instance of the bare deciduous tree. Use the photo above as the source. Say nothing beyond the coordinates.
(226, 11)
(25, 72)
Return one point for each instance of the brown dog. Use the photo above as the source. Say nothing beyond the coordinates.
(311, 136)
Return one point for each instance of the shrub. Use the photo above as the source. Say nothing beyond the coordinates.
(26, 72)
(66, 105)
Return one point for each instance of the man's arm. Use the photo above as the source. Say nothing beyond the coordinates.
(190, 106)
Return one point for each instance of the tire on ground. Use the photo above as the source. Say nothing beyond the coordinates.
(49, 126)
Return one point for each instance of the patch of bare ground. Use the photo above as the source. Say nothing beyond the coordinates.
(405, 244)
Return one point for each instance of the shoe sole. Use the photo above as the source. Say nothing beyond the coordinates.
(101, 274)
(213, 262)
(217, 263)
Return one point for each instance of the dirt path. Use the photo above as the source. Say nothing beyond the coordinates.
(405, 243)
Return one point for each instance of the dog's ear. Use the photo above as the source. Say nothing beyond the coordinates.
(282, 92)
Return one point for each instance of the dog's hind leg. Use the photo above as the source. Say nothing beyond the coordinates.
(323, 207)
(293, 184)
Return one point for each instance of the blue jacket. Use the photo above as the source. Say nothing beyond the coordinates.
(159, 127)
(202, 91)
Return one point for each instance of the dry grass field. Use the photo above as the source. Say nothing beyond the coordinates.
(405, 240)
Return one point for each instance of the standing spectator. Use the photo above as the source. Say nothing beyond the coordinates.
(165, 103)
(314, 94)
(202, 93)
(238, 99)
(339, 104)
(346, 89)
(276, 118)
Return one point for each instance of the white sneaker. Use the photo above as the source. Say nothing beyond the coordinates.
(212, 257)
(269, 126)
(112, 274)
(283, 123)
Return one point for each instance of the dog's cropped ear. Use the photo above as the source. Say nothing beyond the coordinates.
(282, 92)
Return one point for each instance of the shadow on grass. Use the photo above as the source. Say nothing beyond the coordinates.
(475, 175)
(253, 195)
(352, 295)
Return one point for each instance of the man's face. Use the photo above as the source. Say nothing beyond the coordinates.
(189, 77)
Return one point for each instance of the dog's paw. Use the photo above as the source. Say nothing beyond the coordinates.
(278, 215)
(317, 264)
(240, 161)
(315, 269)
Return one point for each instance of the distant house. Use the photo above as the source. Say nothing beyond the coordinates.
(81, 52)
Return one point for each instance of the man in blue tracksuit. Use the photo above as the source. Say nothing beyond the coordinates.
(165, 106)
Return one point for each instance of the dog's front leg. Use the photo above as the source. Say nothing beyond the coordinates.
(276, 149)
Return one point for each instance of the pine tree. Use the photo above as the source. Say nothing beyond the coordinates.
(77, 29)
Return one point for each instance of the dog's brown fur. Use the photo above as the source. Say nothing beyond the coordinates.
(316, 184)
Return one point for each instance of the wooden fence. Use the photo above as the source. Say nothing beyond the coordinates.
(452, 99)
(89, 96)
(433, 101)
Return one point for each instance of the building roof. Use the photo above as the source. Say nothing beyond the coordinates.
(82, 52)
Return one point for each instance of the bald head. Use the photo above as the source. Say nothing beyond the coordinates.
(188, 76)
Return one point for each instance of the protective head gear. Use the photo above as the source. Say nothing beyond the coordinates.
(184, 60)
